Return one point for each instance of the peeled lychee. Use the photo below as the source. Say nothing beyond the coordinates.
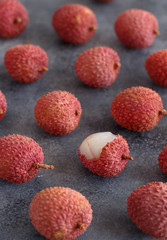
(136, 28)
(20, 158)
(3, 105)
(26, 63)
(98, 67)
(156, 67)
(60, 213)
(13, 18)
(104, 153)
(58, 112)
(137, 108)
(162, 159)
(147, 209)
(74, 23)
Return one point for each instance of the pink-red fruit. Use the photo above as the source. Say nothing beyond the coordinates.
(26, 63)
(58, 112)
(60, 213)
(137, 108)
(162, 159)
(136, 28)
(156, 67)
(20, 158)
(147, 209)
(74, 23)
(13, 18)
(3, 105)
(104, 153)
(98, 67)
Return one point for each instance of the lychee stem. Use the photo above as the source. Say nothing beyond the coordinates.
(126, 157)
(59, 234)
(1, 111)
(38, 165)
(163, 112)
(92, 28)
(81, 226)
(17, 20)
(117, 65)
(156, 32)
(77, 112)
(44, 69)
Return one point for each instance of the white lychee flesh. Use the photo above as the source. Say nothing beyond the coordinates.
(92, 146)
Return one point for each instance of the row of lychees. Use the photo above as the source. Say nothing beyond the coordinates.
(138, 109)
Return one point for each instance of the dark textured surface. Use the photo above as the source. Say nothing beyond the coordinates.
(107, 195)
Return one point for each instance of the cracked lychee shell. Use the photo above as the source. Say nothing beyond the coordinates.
(13, 18)
(58, 112)
(105, 154)
(74, 23)
(98, 67)
(3, 105)
(146, 207)
(26, 63)
(60, 213)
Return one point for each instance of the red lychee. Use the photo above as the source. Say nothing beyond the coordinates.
(3, 105)
(20, 158)
(26, 63)
(162, 159)
(60, 213)
(104, 153)
(74, 23)
(146, 207)
(58, 112)
(98, 67)
(136, 28)
(137, 108)
(13, 18)
(156, 67)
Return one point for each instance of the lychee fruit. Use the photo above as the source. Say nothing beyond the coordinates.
(20, 158)
(104, 153)
(60, 213)
(98, 67)
(3, 105)
(162, 159)
(26, 63)
(156, 67)
(136, 28)
(58, 112)
(146, 207)
(13, 18)
(74, 23)
(137, 108)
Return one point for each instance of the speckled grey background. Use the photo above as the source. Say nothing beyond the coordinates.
(107, 195)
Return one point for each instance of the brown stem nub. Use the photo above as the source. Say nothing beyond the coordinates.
(44, 69)
(117, 65)
(77, 112)
(1, 111)
(156, 32)
(126, 157)
(17, 20)
(39, 165)
(81, 226)
(59, 234)
(163, 112)
(92, 28)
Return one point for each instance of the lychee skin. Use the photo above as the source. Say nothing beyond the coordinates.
(156, 67)
(17, 155)
(162, 159)
(13, 18)
(60, 213)
(3, 105)
(74, 23)
(136, 28)
(137, 108)
(146, 207)
(58, 112)
(98, 67)
(26, 63)
(111, 161)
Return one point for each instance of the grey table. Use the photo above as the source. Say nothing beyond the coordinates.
(107, 195)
